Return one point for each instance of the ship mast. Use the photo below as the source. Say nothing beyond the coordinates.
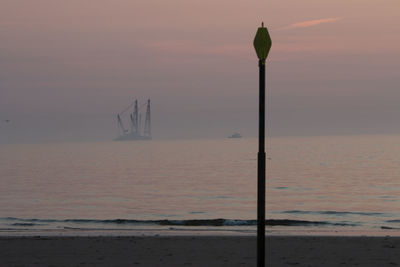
(140, 124)
(132, 122)
(121, 125)
(147, 124)
(136, 118)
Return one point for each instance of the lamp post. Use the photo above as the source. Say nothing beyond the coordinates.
(262, 44)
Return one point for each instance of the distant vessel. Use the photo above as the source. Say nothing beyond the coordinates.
(135, 131)
(235, 135)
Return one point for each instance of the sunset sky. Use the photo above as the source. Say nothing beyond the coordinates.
(67, 67)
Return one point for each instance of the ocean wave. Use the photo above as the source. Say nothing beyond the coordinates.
(25, 224)
(307, 223)
(199, 222)
(332, 212)
(389, 228)
(393, 221)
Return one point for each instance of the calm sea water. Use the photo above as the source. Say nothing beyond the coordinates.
(331, 185)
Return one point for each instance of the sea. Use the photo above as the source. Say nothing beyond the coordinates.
(329, 185)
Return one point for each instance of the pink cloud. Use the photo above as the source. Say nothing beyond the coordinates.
(309, 23)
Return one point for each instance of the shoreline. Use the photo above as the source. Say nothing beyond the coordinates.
(199, 231)
(198, 251)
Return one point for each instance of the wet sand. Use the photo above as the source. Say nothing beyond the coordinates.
(198, 251)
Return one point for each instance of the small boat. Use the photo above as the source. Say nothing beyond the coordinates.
(235, 135)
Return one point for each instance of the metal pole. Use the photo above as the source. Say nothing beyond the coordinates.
(261, 171)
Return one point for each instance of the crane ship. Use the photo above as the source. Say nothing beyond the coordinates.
(134, 132)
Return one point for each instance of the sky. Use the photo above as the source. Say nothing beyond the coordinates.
(68, 67)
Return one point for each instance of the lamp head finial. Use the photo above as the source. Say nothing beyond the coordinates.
(262, 42)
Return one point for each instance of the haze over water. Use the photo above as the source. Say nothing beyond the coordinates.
(343, 183)
(68, 67)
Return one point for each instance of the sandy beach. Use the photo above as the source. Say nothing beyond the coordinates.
(198, 251)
